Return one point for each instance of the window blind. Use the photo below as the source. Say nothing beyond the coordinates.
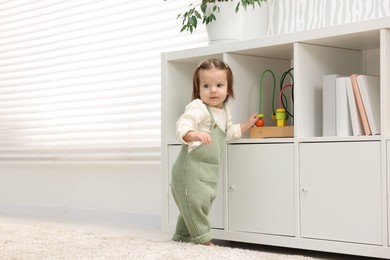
(80, 80)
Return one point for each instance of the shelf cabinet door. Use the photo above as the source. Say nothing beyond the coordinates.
(216, 211)
(340, 191)
(261, 188)
(388, 189)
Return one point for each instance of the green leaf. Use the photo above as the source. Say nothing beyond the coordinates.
(197, 14)
(203, 7)
(194, 21)
(210, 18)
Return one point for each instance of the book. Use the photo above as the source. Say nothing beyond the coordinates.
(369, 87)
(357, 128)
(360, 105)
(343, 115)
(329, 104)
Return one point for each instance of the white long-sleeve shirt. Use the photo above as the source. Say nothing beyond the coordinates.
(197, 118)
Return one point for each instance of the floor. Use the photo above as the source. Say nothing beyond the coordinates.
(156, 234)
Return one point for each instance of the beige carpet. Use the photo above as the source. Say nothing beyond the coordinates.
(42, 241)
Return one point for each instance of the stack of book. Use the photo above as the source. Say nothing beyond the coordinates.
(351, 105)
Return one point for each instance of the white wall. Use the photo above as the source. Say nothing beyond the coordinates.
(127, 194)
(288, 16)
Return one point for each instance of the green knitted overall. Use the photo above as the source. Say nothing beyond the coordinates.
(195, 177)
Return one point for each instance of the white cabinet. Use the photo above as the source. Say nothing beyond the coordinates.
(388, 189)
(261, 188)
(216, 211)
(340, 191)
(309, 191)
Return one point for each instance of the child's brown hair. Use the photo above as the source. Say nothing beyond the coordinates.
(207, 65)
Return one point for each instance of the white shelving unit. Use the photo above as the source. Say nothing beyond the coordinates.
(309, 191)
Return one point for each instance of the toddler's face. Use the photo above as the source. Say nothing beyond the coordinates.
(213, 87)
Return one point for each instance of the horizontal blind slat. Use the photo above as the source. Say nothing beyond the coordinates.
(80, 80)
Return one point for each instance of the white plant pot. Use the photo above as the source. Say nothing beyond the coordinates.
(228, 25)
(256, 21)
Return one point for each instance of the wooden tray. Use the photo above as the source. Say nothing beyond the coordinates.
(271, 131)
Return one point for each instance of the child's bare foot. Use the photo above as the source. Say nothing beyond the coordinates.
(209, 244)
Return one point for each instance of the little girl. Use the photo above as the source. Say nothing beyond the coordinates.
(204, 129)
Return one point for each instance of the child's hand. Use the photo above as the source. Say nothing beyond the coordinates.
(253, 119)
(198, 136)
(248, 124)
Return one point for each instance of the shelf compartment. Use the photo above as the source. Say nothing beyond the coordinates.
(247, 71)
(385, 79)
(311, 63)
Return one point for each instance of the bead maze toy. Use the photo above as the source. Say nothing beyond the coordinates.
(280, 115)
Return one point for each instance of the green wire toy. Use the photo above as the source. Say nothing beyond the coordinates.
(260, 115)
(281, 114)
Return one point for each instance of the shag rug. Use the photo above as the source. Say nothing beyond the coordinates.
(39, 241)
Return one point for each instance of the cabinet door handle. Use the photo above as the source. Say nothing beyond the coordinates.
(305, 189)
(232, 187)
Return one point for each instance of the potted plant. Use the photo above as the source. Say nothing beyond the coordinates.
(228, 13)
